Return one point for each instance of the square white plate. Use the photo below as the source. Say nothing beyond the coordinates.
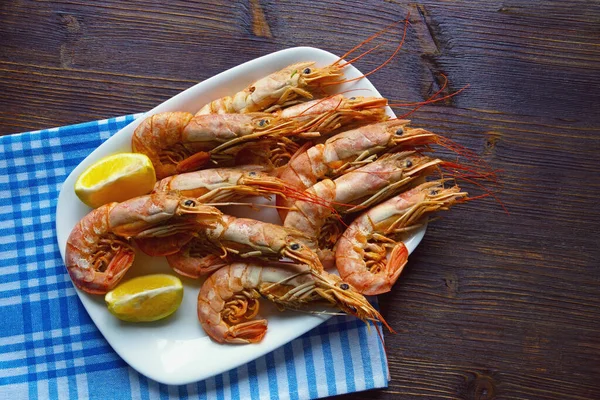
(176, 350)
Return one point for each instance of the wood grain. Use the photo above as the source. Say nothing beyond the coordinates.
(491, 305)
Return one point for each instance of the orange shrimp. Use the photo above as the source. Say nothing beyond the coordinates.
(292, 83)
(361, 251)
(351, 149)
(358, 189)
(98, 252)
(178, 142)
(222, 184)
(335, 102)
(228, 301)
(337, 112)
(242, 238)
(217, 185)
(96, 258)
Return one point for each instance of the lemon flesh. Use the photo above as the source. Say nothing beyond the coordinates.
(145, 298)
(118, 178)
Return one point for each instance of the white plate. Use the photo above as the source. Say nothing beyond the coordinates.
(176, 350)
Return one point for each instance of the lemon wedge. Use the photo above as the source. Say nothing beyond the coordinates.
(145, 298)
(118, 177)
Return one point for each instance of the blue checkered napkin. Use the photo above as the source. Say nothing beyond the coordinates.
(50, 348)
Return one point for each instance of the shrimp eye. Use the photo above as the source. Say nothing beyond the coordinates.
(252, 173)
(263, 122)
(408, 164)
(433, 192)
(352, 98)
(294, 246)
(400, 131)
(344, 286)
(306, 71)
(252, 89)
(190, 203)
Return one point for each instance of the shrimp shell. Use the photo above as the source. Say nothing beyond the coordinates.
(243, 238)
(228, 300)
(282, 87)
(364, 186)
(361, 251)
(98, 252)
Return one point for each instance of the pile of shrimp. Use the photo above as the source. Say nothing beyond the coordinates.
(349, 183)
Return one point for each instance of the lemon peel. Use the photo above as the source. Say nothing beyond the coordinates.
(145, 298)
(118, 177)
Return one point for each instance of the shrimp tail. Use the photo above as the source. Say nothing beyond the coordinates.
(115, 270)
(397, 262)
(119, 265)
(247, 332)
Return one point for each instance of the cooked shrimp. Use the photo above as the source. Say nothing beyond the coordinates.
(374, 105)
(337, 112)
(98, 252)
(217, 185)
(290, 84)
(243, 238)
(338, 153)
(315, 119)
(362, 187)
(283, 87)
(157, 137)
(362, 250)
(351, 149)
(178, 142)
(96, 258)
(228, 299)
(222, 184)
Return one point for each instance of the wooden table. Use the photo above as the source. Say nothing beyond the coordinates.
(491, 305)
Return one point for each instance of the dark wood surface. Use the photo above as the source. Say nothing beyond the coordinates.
(491, 305)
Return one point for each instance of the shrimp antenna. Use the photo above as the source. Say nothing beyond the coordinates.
(471, 156)
(286, 279)
(304, 195)
(252, 205)
(462, 150)
(383, 322)
(370, 39)
(406, 23)
(458, 175)
(432, 99)
(380, 335)
(476, 173)
(429, 101)
(362, 55)
(320, 312)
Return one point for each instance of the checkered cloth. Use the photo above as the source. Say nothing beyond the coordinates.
(49, 346)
